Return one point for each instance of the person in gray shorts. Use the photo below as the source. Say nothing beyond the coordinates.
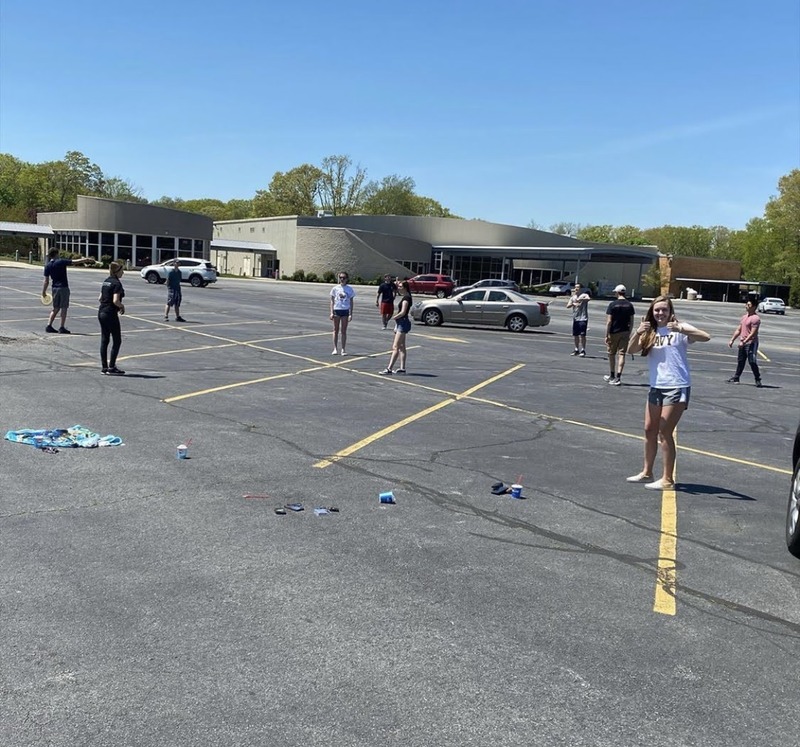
(56, 271)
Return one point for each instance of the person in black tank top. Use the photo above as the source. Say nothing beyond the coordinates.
(402, 328)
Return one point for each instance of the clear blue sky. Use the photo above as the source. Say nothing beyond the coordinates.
(622, 112)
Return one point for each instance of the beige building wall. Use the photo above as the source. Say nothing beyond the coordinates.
(280, 232)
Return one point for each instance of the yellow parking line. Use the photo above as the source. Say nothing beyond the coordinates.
(323, 463)
(666, 571)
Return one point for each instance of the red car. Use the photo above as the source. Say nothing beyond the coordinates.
(440, 286)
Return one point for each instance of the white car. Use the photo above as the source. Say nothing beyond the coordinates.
(198, 272)
(771, 306)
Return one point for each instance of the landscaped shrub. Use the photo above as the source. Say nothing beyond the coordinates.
(105, 260)
(311, 277)
(328, 277)
(299, 275)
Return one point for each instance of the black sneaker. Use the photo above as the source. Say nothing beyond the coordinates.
(582, 354)
(64, 331)
(385, 372)
(179, 319)
(759, 384)
(574, 352)
(733, 380)
(50, 328)
(400, 371)
(114, 371)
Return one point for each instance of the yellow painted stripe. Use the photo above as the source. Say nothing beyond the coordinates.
(411, 418)
(666, 572)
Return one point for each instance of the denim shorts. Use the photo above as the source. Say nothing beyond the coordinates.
(341, 312)
(403, 325)
(665, 397)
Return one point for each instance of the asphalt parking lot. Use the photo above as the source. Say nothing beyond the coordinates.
(148, 600)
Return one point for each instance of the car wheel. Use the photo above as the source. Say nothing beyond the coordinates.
(783, 313)
(793, 515)
(440, 293)
(205, 283)
(152, 277)
(516, 323)
(196, 281)
(432, 317)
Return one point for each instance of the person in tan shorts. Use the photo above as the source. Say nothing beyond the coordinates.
(619, 323)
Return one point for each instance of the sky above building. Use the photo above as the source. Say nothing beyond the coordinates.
(512, 111)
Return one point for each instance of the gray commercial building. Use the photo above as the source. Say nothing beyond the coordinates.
(132, 232)
(367, 246)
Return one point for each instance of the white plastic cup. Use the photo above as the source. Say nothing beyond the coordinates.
(516, 491)
(183, 451)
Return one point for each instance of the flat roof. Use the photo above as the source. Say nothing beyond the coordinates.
(7, 228)
(243, 246)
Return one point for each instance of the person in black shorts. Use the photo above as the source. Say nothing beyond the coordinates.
(385, 299)
(111, 306)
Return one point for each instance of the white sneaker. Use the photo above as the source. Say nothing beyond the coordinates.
(640, 477)
(385, 372)
(608, 377)
(344, 352)
(660, 485)
(615, 382)
(335, 352)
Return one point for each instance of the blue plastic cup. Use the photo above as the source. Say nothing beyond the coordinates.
(387, 497)
(516, 491)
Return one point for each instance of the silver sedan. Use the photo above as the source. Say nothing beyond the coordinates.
(495, 307)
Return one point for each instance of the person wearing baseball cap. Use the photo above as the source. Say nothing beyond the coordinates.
(619, 323)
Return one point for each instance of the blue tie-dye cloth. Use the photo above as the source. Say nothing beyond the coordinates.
(64, 438)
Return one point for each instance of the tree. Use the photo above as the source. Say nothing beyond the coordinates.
(782, 214)
(430, 207)
(296, 192)
(393, 195)
(117, 188)
(602, 234)
(565, 229)
(341, 193)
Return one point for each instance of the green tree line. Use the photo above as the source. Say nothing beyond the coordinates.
(768, 247)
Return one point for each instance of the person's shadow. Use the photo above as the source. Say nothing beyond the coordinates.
(725, 494)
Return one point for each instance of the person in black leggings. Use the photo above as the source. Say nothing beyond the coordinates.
(111, 306)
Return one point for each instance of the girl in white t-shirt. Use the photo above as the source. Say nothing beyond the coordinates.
(341, 311)
(664, 340)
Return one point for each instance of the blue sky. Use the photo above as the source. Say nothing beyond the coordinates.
(635, 112)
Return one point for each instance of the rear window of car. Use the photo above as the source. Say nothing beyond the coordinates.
(448, 279)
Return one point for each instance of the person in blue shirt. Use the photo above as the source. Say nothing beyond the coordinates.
(56, 271)
(174, 295)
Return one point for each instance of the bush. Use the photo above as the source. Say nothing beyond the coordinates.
(312, 277)
(299, 275)
(328, 277)
(106, 259)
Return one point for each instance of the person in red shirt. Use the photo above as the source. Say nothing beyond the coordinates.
(747, 332)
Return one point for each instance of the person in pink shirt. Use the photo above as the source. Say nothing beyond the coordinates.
(747, 332)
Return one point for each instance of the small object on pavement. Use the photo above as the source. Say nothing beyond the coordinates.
(280, 511)
(321, 511)
(500, 489)
(387, 497)
(294, 506)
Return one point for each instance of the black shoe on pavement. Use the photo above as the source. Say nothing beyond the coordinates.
(759, 384)
(179, 319)
(64, 331)
(113, 371)
(50, 328)
(733, 380)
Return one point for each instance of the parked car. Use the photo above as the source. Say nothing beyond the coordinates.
(497, 307)
(793, 509)
(771, 306)
(488, 284)
(561, 288)
(195, 271)
(440, 286)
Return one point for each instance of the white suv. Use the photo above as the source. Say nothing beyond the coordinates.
(771, 306)
(195, 271)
